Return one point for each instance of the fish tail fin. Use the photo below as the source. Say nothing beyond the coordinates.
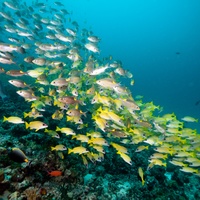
(26, 125)
(25, 114)
(84, 113)
(57, 128)
(143, 181)
(118, 152)
(5, 118)
(53, 148)
(69, 150)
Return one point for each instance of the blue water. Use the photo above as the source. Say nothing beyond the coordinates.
(157, 40)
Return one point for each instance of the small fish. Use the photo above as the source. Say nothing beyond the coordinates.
(177, 163)
(29, 59)
(85, 162)
(119, 148)
(18, 83)
(189, 119)
(80, 137)
(99, 141)
(37, 125)
(39, 61)
(59, 82)
(59, 147)
(18, 155)
(156, 162)
(27, 94)
(94, 39)
(13, 119)
(78, 150)
(34, 73)
(68, 100)
(57, 115)
(92, 47)
(141, 174)
(98, 148)
(99, 70)
(67, 131)
(189, 170)
(11, 5)
(15, 73)
(33, 113)
(141, 148)
(52, 133)
(125, 157)
(55, 173)
(61, 155)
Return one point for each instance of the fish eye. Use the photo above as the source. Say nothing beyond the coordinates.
(43, 124)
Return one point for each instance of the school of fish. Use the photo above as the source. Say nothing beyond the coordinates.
(57, 68)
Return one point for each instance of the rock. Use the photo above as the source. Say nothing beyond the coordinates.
(4, 186)
(70, 195)
(88, 178)
(2, 176)
(24, 184)
(13, 196)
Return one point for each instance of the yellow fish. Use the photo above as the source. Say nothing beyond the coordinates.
(61, 156)
(52, 133)
(125, 157)
(13, 119)
(36, 125)
(67, 131)
(141, 174)
(80, 137)
(157, 162)
(78, 150)
(85, 162)
(189, 170)
(59, 147)
(141, 148)
(33, 113)
(57, 115)
(99, 141)
(119, 148)
(100, 122)
(98, 148)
